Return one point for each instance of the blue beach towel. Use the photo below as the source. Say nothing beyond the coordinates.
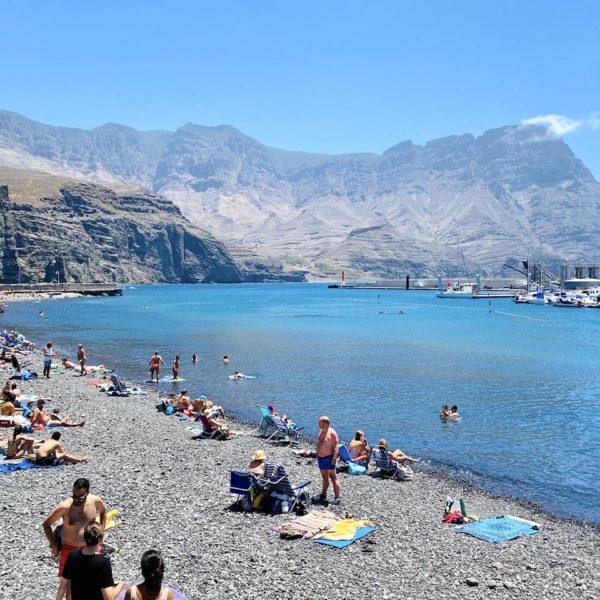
(500, 529)
(7, 467)
(360, 533)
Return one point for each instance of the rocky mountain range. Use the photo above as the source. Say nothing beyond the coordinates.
(374, 215)
(60, 229)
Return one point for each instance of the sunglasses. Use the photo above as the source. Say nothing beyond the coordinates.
(79, 499)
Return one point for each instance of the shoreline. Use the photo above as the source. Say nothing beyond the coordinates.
(173, 493)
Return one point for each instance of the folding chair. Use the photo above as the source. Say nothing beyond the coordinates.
(282, 430)
(118, 388)
(388, 468)
(346, 456)
(240, 483)
(266, 421)
(280, 485)
(208, 431)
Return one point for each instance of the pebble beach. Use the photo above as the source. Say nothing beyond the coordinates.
(172, 493)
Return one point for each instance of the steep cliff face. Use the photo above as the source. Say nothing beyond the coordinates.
(378, 214)
(56, 228)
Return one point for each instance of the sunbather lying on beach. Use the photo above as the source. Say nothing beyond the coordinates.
(68, 364)
(51, 452)
(397, 455)
(54, 420)
(19, 444)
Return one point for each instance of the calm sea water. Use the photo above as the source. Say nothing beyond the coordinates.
(525, 378)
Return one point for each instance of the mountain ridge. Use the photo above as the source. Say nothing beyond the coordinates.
(499, 191)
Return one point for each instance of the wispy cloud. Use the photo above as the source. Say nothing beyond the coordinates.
(559, 125)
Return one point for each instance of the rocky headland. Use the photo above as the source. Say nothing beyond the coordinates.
(58, 229)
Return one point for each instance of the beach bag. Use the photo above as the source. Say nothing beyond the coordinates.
(356, 469)
(404, 473)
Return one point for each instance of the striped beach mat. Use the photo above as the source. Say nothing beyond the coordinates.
(500, 529)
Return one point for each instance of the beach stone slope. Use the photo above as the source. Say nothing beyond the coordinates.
(173, 494)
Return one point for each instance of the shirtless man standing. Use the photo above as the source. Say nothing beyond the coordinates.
(51, 450)
(76, 512)
(175, 368)
(81, 357)
(327, 454)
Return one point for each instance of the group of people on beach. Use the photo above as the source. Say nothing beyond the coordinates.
(27, 413)
(85, 572)
(156, 360)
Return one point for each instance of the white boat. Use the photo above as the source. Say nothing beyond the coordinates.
(458, 290)
(577, 292)
(455, 289)
(538, 297)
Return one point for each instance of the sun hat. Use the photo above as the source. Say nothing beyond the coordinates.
(202, 396)
(259, 455)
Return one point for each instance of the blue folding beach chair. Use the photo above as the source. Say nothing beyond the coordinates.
(388, 468)
(277, 482)
(345, 456)
(266, 421)
(240, 483)
(282, 430)
(119, 388)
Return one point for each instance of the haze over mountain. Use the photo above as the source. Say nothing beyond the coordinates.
(379, 215)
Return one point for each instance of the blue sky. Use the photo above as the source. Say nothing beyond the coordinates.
(326, 76)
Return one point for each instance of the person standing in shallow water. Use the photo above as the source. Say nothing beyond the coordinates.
(155, 362)
(48, 355)
(176, 366)
(81, 357)
(327, 454)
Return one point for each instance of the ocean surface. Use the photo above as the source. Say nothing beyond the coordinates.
(526, 378)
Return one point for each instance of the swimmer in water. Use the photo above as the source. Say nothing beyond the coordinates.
(225, 359)
(194, 358)
(454, 412)
(238, 375)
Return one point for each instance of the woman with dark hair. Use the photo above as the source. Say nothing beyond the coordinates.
(19, 444)
(153, 567)
(87, 574)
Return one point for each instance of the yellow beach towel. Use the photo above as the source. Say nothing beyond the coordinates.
(111, 519)
(342, 530)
